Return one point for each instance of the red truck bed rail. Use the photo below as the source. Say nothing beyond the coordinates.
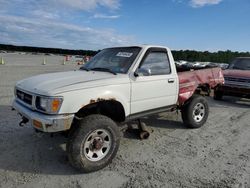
(189, 81)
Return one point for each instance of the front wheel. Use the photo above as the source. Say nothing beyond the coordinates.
(195, 112)
(93, 143)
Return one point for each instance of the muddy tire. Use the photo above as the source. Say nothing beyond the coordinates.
(93, 143)
(218, 95)
(195, 112)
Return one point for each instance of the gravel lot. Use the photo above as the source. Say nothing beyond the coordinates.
(216, 155)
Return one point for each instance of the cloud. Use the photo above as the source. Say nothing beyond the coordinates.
(201, 3)
(90, 4)
(86, 5)
(104, 16)
(59, 23)
(34, 32)
(45, 14)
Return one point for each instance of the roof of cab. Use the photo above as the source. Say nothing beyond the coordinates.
(144, 46)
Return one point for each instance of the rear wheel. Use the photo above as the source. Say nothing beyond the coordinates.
(195, 112)
(93, 143)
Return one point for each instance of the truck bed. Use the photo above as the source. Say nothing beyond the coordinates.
(189, 81)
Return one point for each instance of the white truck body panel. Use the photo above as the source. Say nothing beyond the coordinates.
(82, 97)
(153, 92)
(54, 83)
(80, 88)
(149, 92)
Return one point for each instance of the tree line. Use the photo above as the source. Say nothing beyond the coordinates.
(60, 51)
(186, 55)
(216, 57)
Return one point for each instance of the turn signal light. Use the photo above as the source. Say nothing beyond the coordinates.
(55, 105)
(37, 124)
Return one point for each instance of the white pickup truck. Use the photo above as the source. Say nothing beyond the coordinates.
(116, 86)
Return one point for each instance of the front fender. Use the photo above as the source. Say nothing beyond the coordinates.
(75, 100)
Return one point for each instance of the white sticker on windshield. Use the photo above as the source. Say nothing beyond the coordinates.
(124, 54)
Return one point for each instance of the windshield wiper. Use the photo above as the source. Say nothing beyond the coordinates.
(84, 68)
(104, 70)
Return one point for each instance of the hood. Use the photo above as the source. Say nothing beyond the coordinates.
(48, 84)
(236, 73)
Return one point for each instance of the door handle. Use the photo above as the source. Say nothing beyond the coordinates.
(170, 80)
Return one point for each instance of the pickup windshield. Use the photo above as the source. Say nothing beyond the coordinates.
(113, 60)
(240, 64)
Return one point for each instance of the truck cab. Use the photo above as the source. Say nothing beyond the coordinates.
(154, 81)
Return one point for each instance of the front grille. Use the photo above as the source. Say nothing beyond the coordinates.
(25, 97)
(234, 81)
(242, 80)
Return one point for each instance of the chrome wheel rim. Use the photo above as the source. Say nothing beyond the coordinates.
(198, 112)
(97, 145)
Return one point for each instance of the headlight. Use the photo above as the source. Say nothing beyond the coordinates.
(50, 105)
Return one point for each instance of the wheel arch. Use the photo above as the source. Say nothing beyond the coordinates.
(109, 107)
(203, 89)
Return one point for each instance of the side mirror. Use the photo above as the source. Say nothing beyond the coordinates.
(136, 74)
(142, 72)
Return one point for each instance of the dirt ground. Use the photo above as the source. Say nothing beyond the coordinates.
(216, 155)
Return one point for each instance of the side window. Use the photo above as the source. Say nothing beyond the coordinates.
(156, 63)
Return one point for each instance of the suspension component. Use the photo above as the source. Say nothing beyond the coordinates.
(24, 121)
(144, 130)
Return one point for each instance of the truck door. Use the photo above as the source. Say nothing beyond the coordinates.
(155, 82)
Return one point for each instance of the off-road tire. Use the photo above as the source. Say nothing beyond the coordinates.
(79, 135)
(218, 95)
(189, 109)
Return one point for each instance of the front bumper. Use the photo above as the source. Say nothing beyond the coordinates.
(235, 90)
(43, 122)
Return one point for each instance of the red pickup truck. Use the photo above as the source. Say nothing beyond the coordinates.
(237, 79)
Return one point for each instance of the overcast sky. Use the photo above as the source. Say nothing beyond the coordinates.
(95, 24)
